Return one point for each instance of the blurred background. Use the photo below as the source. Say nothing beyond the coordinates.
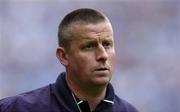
(147, 42)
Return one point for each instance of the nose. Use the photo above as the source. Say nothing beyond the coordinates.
(101, 54)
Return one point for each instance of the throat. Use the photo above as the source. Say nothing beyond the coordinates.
(93, 97)
(92, 94)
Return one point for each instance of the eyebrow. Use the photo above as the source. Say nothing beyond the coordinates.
(86, 38)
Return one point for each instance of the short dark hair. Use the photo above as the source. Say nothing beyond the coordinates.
(84, 15)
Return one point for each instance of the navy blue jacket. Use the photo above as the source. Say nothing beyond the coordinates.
(57, 97)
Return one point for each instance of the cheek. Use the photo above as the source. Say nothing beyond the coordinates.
(87, 64)
(87, 61)
(83, 61)
(112, 58)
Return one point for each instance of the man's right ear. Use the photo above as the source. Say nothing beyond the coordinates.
(62, 56)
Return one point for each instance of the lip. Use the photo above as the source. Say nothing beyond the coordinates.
(102, 69)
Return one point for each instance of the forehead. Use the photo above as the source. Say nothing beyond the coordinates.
(100, 30)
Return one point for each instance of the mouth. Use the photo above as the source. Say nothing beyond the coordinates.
(102, 69)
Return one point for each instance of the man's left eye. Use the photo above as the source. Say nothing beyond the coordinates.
(107, 44)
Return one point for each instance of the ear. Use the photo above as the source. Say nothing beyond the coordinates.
(62, 56)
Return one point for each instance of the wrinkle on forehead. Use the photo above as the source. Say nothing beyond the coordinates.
(94, 36)
(90, 31)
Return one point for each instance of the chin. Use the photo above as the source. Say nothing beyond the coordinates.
(101, 81)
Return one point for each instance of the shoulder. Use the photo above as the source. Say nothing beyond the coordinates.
(124, 105)
(27, 101)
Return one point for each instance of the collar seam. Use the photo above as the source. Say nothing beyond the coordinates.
(108, 101)
(80, 102)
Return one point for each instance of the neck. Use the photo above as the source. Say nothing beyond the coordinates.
(92, 94)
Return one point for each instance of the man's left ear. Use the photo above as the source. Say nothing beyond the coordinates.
(62, 56)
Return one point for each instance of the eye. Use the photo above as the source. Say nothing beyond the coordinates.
(107, 44)
(89, 46)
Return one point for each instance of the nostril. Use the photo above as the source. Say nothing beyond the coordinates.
(102, 59)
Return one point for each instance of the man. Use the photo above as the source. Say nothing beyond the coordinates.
(86, 49)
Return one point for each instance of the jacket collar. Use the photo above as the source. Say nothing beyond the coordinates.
(63, 94)
(65, 97)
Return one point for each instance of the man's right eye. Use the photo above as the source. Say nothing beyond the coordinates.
(89, 46)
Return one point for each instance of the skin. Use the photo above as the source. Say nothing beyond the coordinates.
(89, 60)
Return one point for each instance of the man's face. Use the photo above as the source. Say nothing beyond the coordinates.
(91, 54)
